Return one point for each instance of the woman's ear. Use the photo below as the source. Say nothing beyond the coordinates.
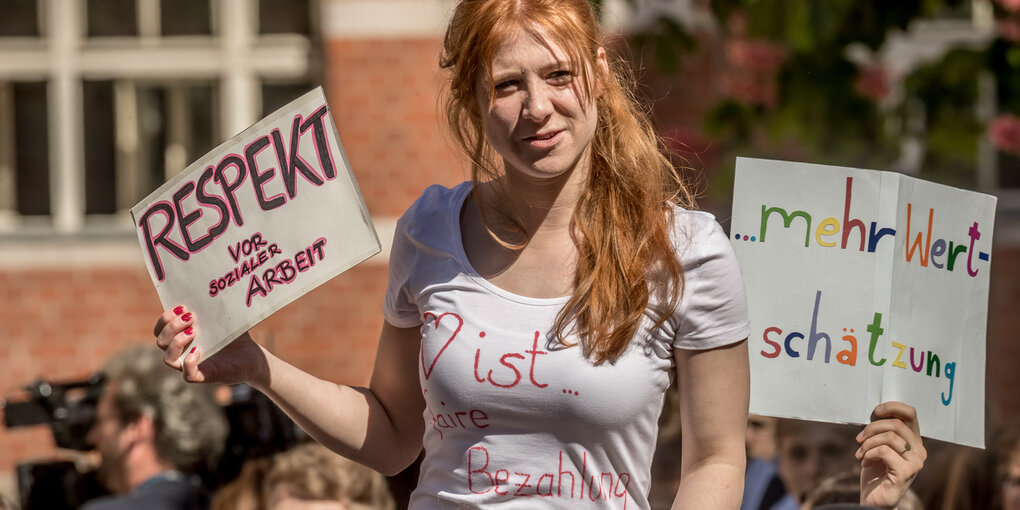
(602, 68)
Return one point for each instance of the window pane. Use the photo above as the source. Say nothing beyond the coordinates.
(185, 17)
(31, 146)
(172, 118)
(100, 151)
(151, 139)
(202, 132)
(276, 95)
(112, 18)
(284, 17)
(1009, 170)
(19, 18)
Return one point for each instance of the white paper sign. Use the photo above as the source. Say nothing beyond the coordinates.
(256, 223)
(863, 287)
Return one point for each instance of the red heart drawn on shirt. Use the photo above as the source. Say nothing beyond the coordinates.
(436, 321)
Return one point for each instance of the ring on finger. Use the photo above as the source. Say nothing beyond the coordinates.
(906, 448)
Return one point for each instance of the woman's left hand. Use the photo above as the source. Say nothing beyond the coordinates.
(891, 454)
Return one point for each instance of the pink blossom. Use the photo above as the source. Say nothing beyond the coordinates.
(738, 23)
(685, 141)
(873, 83)
(1009, 5)
(753, 65)
(1004, 132)
(750, 89)
(1009, 29)
(757, 56)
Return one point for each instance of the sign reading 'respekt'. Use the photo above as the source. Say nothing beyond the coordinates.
(256, 223)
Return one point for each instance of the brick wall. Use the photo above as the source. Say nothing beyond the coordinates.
(383, 93)
(1003, 349)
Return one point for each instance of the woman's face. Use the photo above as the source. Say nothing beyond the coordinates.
(539, 120)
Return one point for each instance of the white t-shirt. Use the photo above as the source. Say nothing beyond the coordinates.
(513, 418)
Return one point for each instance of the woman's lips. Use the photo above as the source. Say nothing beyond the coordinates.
(544, 140)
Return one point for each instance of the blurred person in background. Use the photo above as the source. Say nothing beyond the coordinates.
(153, 432)
(311, 477)
(891, 453)
(843, 491)
(762, 486)
(808, 453)
(1008, 467)
(959, 478)
(7, 503)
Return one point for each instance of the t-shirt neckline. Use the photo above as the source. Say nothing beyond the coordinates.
(460, 199)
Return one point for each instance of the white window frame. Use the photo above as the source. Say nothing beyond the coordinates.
(236, 57)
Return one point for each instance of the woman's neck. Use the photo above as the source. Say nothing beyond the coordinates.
(533, 252)
(539, 206)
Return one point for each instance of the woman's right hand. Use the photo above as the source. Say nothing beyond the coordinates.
(240, 361)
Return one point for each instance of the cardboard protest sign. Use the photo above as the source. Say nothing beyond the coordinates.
(863, 287)
(256, 223)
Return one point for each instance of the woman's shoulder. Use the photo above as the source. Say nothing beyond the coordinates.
(437, 206)
(437, 197)
(692, 227)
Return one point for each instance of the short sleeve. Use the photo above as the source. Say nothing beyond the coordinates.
(713, 308)
(399, 309)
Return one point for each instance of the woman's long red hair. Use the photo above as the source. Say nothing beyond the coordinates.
(622, 220)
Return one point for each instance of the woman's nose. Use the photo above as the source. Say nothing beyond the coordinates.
(537, 104)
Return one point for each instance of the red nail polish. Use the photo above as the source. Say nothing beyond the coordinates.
(186, 317)
(189, 331)
(192, 351)
(179, 310)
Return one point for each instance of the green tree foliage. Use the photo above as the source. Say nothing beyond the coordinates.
(819, 104)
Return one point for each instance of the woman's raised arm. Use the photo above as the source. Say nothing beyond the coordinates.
(380, 426)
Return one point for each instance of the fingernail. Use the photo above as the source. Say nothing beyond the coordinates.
(186, 317)
(179, 310)
(189, 331)
(860, 436)
(192, 351)
(858, 453)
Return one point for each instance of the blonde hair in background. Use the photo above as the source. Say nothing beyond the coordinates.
(845, 487)
(622, 220)
(245, 491)
(7, 503)
(312, 472)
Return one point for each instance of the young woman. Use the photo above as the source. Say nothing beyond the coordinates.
(536, 315)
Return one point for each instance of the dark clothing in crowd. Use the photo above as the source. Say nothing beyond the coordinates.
(158, 493)
(845, 506)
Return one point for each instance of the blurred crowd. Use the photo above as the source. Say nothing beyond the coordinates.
(813, 464)
(159, 442)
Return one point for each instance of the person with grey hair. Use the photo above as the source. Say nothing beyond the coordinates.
(153, 431)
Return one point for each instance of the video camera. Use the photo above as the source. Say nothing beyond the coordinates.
(68, 408)
(257, 428)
